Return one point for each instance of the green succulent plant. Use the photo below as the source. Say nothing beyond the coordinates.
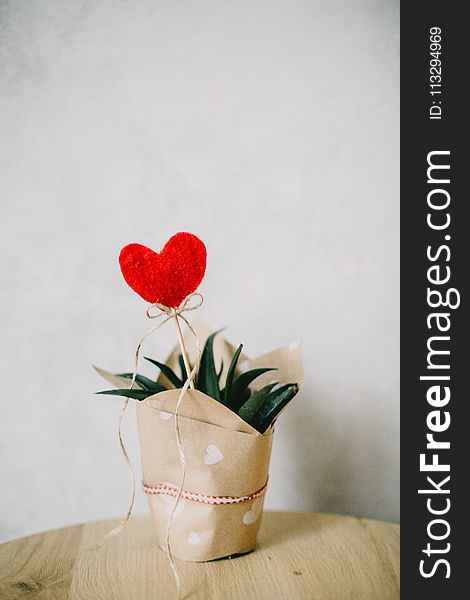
(258, 408)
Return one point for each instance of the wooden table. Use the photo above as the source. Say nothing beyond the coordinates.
(300, 555)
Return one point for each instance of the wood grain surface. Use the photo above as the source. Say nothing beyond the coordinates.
(310, 556)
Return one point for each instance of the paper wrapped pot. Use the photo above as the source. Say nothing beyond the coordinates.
(225, 457)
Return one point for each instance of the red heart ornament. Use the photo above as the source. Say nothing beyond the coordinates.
(166, 277)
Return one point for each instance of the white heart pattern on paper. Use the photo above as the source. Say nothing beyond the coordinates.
(193, 538)
(252, 515)
(213, 455)
(169, 502)
(164, 416)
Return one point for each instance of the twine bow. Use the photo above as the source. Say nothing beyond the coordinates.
(165, 313)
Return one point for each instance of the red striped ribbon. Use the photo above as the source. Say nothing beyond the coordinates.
(170, 490)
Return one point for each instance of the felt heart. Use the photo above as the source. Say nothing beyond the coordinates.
(213, 455)
(166, 277)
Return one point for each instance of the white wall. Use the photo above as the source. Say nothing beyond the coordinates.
(270, 129)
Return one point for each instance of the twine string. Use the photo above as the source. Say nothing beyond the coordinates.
(165, 313)
(190, 378)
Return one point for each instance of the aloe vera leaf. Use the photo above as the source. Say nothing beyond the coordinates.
(143, 381)
(255, 402)
(273, 405)
(239, 387)
(128, 393)
(207, 381)
(219, 374)
(230, 375)
(167, 371)
(184, 373)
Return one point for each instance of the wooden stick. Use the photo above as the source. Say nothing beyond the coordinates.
(183, 350)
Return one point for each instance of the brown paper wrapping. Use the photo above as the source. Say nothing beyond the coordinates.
(224, 456)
